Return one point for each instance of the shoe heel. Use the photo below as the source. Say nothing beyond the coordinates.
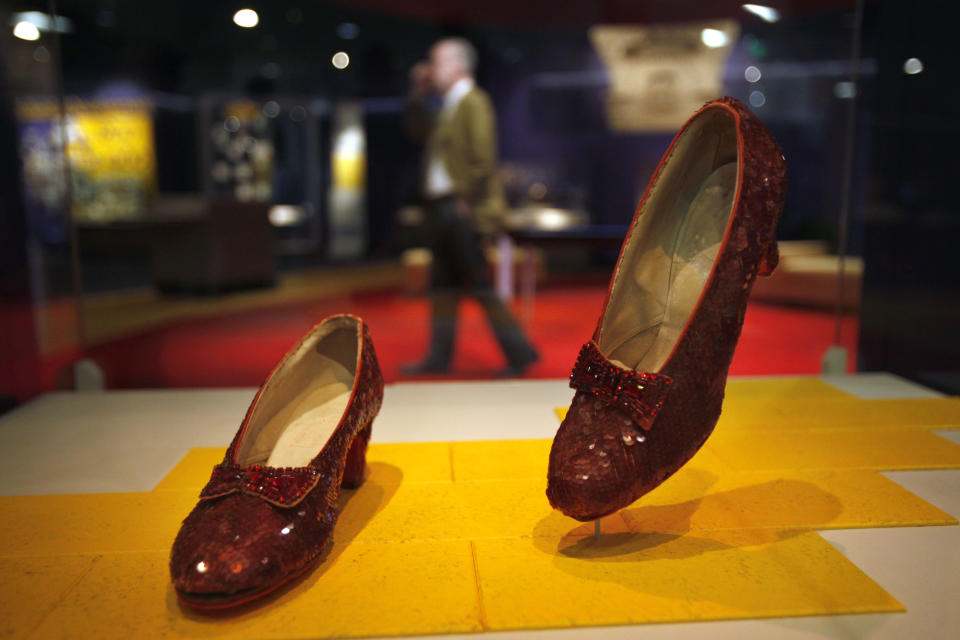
(357, 458)
(770, 260)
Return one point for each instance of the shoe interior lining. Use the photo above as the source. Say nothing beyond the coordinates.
(304, 400)
(671, 251)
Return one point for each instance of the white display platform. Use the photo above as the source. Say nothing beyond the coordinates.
(94, 442)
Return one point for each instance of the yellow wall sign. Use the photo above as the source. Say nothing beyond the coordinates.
(110, 146)
(112, 143)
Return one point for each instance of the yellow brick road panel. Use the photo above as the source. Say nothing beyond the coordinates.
(458, 511)
(800, 500)
(415, 461)
(32, 586)
(763, 414)
(92, 523)
(834, 413)
(786, 387)
(880, 449)
(193, 471)
(387, 463)
(516, 459)
(359, 590)
(656, 577)
(500, 459)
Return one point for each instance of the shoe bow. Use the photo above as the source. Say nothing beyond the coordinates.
(640, 395)
(281, 486)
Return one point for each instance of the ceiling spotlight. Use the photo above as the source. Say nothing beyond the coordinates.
(26, 30)
(246, 18)
(912, 66)
(767, 14)
(714, 38)
(340, 60)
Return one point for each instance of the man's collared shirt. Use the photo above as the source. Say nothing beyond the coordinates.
(438, 182)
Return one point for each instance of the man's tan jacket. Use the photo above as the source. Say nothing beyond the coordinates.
(466, 143)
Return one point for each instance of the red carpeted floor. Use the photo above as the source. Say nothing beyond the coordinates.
(239, 349)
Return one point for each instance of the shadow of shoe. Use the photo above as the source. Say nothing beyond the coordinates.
(777, 505)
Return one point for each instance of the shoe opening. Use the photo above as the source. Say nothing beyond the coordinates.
(670, 252)
(303, 401)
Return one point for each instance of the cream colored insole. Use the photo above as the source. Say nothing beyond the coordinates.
(672, 274)
(697, 245)
(302, 423)
(685, 289)
(318, 412)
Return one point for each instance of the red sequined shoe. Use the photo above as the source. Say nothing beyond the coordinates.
(269, 509)
(650, 383)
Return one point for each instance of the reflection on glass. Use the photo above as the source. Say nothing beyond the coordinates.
(767, 14)
(713, 37)
(912, 66)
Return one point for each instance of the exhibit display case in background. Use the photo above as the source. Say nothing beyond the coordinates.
(185, 194)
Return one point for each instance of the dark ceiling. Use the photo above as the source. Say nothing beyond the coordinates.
(185, 46)
(536, 13)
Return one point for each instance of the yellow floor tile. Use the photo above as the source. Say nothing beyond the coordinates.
(93, 523)
(193, 471)
(516, 459)
(359, 590)
(500, 459)
(792, 449)
(785, 387)
(762, 413)
(770, 392)
(460, 511)
(834, 413)
(645, 578)
(415, 461)
(32, 586)
(809, 500)
(387, 463)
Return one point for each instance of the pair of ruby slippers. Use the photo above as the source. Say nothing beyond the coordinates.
(649, 384)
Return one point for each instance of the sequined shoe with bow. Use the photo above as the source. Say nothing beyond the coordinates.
(269, 509)
(649, 385)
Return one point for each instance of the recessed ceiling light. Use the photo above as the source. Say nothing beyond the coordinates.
(340, 60)
(767, 14)
(246, 18)
(714, 38)
(26, 30)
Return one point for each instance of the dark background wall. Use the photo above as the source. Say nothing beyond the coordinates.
(911, 291)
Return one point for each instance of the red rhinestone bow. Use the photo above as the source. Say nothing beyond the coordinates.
(640, 395)
(282, 486)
